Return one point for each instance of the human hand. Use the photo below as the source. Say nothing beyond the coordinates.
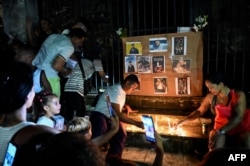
(140, 125)
(66, 72)
(178, 123)
(215, 139)
(129, 110)
(212, 139)
(105, 78)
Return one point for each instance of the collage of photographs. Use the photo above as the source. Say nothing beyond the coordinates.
(155, 63)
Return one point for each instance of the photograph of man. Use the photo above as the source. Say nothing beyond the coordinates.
(131, 67)
(158, 64)
(130, 64)
(133, 49)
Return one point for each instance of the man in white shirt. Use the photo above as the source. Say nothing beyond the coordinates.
(55, 52)
(100, 116)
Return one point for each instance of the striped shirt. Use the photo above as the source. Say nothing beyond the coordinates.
(6, 133)
(75, 80)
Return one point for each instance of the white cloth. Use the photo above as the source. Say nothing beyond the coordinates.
(37, 80)
(54, 45)
(117, 95)
(57, 121)
(46, 121)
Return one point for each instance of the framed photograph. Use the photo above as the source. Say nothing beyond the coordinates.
(158, 44)
(144, 64)
(133, 48)
(179, 45)
(158, 64)
(130, 64)
(181, 65)
(182, 85)
(160, 85)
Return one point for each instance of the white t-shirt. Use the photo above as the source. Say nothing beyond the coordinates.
(37, 80)
(116, 94)
(55, 44)
(46, 121)
(57, 121)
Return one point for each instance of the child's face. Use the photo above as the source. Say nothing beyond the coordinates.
(53, 106)
(88, 135)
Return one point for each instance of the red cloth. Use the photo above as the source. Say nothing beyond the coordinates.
(223, 114)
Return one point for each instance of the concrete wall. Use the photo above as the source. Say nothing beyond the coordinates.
(157, 104)
(15, 13)
(164, 105)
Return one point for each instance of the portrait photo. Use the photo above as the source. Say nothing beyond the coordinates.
(130, 64)
(158, 63)
(158, 44)
(160, 85)
(181, 65)
(133, 48)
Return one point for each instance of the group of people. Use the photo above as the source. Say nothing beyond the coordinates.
(32, 80)
(17, 94)
(30, 83)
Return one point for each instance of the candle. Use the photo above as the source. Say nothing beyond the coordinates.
(169, 124)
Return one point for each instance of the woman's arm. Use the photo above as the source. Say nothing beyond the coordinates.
(205, 105)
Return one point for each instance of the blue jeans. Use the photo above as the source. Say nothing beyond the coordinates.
(100, 125)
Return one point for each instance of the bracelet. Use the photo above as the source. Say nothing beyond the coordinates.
(221, 132)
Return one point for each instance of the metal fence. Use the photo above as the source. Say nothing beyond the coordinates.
(226, 38)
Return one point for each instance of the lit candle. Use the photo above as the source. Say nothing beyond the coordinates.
(156, 123)
(169, 124)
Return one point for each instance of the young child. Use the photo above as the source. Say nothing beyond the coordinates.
(48, 109)
(80, 125)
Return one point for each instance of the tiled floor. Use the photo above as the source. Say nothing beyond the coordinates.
(145, 157)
